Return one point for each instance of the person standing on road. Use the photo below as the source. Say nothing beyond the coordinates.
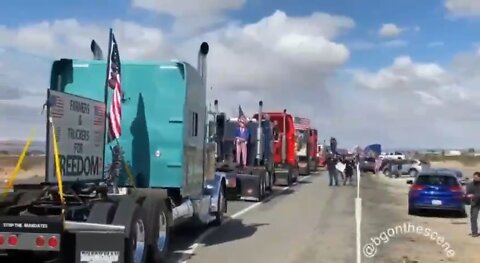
(349, 170)
(332, 170)
(473, 195)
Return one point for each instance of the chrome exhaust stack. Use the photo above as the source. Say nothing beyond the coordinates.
(284, 138)
(259, 131)
(202, 61)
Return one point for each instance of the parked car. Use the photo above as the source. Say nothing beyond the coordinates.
(392, 156)
(397, 168)
(436, 190)
(367, 164)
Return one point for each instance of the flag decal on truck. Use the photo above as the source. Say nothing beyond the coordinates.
(56, 107)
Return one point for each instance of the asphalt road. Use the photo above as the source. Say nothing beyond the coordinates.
(310, 222)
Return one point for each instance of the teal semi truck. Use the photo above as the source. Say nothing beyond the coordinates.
(102, 214)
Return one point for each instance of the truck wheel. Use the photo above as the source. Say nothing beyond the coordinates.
(293, 173)
(264, 185)
(221, 206)
(269, 177)
(290, 177)
(159, 221)
(260, 188)
(135, 247)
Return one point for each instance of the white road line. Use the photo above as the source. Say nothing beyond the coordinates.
(358, 216)
(189, 252)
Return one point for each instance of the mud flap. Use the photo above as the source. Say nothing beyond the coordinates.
(250, 186)
(303, 168)
(282, 176)
(99, 247)
(232, 186)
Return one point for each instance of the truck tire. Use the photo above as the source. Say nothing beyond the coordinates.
(290, 177)
(136, 249)
(132, 216)
(222, 206)
(159, 222)
(269, 177)
(264, 184)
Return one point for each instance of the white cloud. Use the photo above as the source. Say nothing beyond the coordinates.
(69, 36)
(191, 15)
(389, 30)
(277, 58)
(420, 103)
(368, 45)
(289, 62)
(465, 8)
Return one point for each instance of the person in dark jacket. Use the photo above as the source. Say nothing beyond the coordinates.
(349, 169)
(473, 195)
(332, 170)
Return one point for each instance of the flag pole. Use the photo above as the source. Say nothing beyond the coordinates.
(105, 99)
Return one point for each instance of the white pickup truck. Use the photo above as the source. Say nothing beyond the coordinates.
(392, 155)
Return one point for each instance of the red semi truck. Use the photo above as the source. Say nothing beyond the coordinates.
(314, 160)
(304, 145)
(284, 155)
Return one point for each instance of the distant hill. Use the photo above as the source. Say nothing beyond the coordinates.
(16, 147)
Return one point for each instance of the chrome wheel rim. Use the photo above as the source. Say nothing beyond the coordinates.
(162, 232)
(139, 241)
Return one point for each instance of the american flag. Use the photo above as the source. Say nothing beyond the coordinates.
(99, 116)
(241, 115)
(57, 106)
(114, 82)
(302, 123)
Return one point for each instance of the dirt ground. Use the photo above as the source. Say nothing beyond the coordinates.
(408, 247)
(32, 169)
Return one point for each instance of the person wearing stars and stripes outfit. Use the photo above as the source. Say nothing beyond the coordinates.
(242, 136)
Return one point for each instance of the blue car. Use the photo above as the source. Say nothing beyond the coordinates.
(436, 190)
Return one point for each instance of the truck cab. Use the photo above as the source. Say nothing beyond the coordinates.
(303, 145)
(255, 180)
(166, 174)
(284, 154)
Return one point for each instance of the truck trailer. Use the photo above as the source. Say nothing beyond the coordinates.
(255, 181)
(165, 164)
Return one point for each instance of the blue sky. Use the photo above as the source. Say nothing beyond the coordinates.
(431, 16)
(327, 53)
